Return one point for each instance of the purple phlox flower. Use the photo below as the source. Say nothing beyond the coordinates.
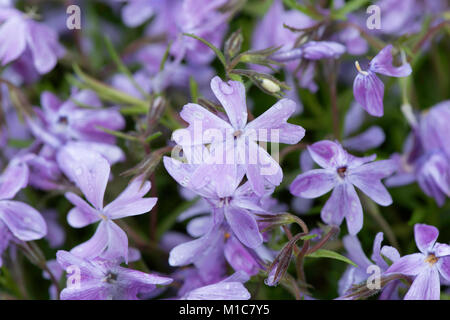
(426, 155)
(20, 33)
(357, 275)
(341, 173)
(234, 143)
(230, 230)
(230, 288)
(368, 89)
(236, 204)
(426, 267)
(369, 139)
(90, 171)
(101, 279)
(18, 220)
(58, 123)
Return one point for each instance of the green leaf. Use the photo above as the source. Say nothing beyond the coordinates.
(19, 144)
(109, 93)
(341, 13)
(324, 253)
(194, 89)
(308, 10)
(216, 50)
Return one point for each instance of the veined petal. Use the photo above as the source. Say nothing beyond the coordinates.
(244, 226)
(89, 170)
(23, 221)
(117, 245)
(42, 42)
(272, 125)
(134, 191)
(328, 154)
(14, 178)
(369, 91)
(188, 252)
(443, 266)
(83, 214)
(95, 246)
(354, 213)
(376, 253)
(204, 127)
(313, 184)
(410, 265)
(131, 202)
(219, 291)
(425, 237)
(382, 63)
(333, 212)
(374, 189)
(13, 39)
(426, 286)
(355, 252)
(231, 95)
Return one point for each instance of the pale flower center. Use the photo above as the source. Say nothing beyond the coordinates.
(431, 259)
(358, 67)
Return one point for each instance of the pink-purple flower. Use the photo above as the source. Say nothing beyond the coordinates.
(90, 171)
(342, 172)
(426, 267)
(19, 34)
(105, 279)
(368, 89)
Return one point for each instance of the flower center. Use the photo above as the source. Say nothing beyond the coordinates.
(358, 67)
(63, 120)
(341, 171)
(227, 236)
(237, 133)
(224, 201)
(431, 259)
(110, 278)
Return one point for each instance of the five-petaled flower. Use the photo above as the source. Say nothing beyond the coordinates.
(90, 172)
(341, 173)
(427, 266)
(235, 141)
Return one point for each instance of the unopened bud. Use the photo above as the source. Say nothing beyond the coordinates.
(270, 86)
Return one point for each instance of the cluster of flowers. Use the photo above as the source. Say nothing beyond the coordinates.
(219, 160)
